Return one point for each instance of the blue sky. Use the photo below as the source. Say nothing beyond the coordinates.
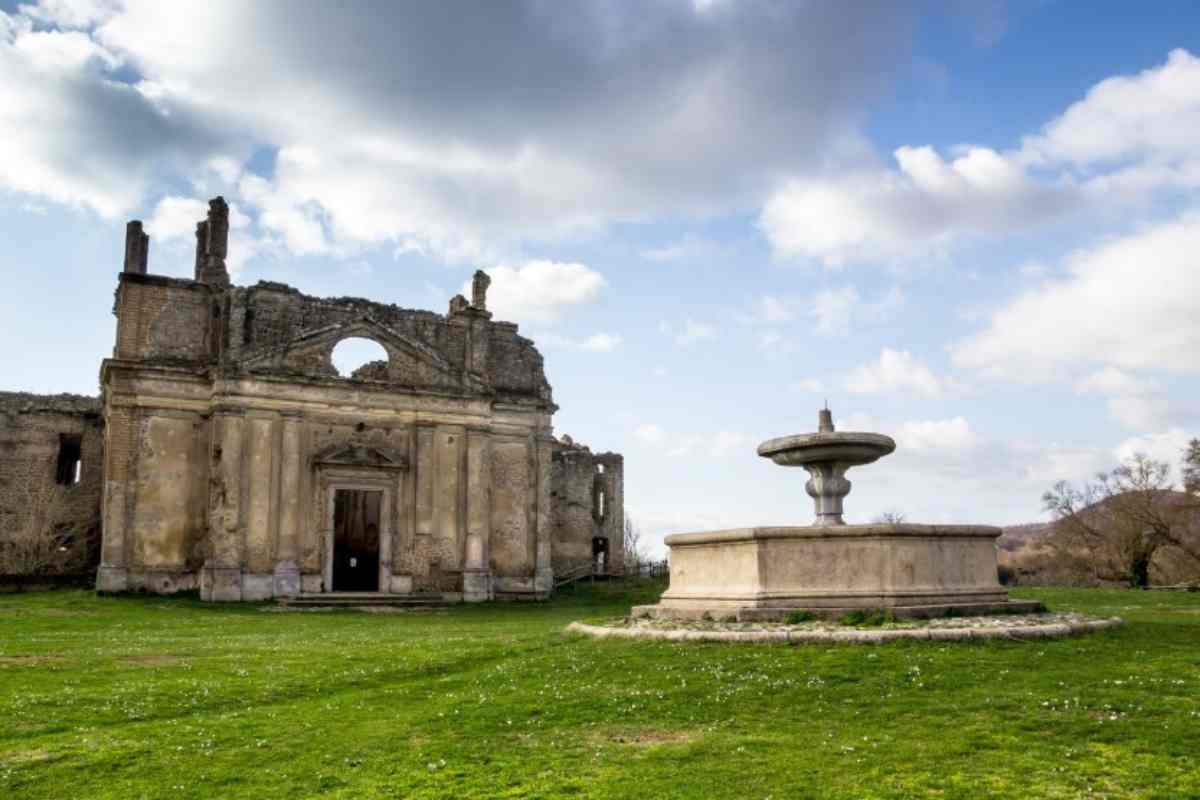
(969, 225)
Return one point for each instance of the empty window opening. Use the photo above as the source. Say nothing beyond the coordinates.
(599, 469)
(70, 459)
(354, 354)
(600, 555)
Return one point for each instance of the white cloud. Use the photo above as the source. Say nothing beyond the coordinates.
(1134, 403)
(650, 434)
(72, 13)
(596, 343)
(1128, 303)
(1166, 446)
(689, 332)
(539, 291)
(832, 311)
(725, 442)
(176, 218)
(471, 154)
(883, 215)
(1130, 136)
(936, 436)
(688, 248)
(77, 135)
(1153, 117)
(899, 371)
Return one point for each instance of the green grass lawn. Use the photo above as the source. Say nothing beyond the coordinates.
(152, 697)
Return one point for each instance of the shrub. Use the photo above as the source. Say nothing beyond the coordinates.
(868, 618)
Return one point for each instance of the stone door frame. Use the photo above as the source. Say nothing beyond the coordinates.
(330, 479)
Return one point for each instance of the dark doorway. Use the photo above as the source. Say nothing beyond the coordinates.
(356, 540)
(599, 555)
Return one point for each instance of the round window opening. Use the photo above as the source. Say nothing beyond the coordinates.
(357, 357)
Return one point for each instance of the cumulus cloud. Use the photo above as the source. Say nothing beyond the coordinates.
(596, 343)
(85, 138)
(688, 332)
(464, 153)
(1127, 303)
(831, 311)
(948, 435)
(539, 291)
(1165, 446)
(650, 434)
(901, 372)
(1129, 136)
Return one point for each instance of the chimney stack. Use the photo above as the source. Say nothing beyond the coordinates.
(137, 248)
(212, 245)
(479, 287)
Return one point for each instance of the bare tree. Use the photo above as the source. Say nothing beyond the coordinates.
(42, 542)
(1115, 525)
(633, 546)
(892, 517)
(1191, 468)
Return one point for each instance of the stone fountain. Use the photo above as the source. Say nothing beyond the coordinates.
(831, 568)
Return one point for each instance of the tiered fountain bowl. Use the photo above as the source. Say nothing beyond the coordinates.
(830, 568)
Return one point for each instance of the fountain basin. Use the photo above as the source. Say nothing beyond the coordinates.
(847, 447)
(764, 574)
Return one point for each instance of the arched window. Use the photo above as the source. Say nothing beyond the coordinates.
(353, 354)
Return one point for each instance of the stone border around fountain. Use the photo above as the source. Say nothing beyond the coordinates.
(1055, 626)
(764, 574)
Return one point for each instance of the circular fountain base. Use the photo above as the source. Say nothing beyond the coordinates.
(766, 574)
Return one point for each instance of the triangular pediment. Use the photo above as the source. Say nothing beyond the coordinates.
(410, 361)
(361, 455)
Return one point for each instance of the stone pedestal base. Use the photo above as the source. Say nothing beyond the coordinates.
(111, 580)
(477, 586)
(830, 570)
(221, 584)
(287, 579)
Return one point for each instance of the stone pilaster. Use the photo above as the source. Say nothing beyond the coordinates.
(287, 545)
(476, 572)
(543, 580)
(221, 577)
(113, 574)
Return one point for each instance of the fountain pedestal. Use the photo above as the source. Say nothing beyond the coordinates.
(830, 568)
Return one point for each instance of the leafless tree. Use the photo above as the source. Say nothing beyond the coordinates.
(1114, 526)
(41, 542)
(890, 518)
(633, 546)
(1191, 468)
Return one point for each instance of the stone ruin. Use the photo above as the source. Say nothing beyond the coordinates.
(226, 454)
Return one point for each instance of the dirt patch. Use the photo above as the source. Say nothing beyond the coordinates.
(151, 660)
(646, 737)
(31, 659)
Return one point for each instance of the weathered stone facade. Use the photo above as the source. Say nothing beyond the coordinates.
(237, 461)
(587, 493)
(51, 460)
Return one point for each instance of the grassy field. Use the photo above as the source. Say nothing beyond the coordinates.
(152, 697)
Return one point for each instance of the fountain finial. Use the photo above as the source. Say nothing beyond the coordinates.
(825, 420)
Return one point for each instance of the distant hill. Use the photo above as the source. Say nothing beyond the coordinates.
(1026, 556)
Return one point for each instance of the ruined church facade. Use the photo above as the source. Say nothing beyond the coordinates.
(236, 460)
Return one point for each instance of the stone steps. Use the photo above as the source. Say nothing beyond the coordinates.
(355, 599)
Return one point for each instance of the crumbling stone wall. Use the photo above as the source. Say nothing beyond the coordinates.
(33, 429)
(587, 493)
